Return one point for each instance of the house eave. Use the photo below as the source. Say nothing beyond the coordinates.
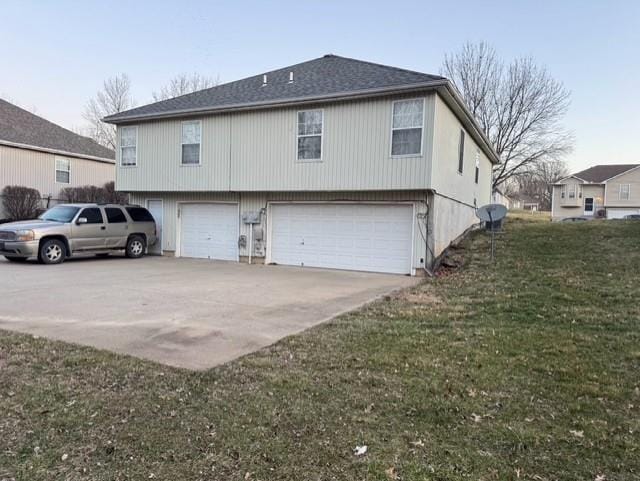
(56, 152)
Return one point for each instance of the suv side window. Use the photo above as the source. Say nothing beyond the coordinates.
(140, 214)
(115, 215)
(93, 215)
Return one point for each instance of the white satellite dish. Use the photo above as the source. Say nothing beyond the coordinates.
(491, 212)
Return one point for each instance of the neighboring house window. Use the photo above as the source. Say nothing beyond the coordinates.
(63, 171)
(129, 146)
(310, 134)
(477, 166)
(406, 128)
(461, 152)
(191, 134)
(563, 191)
(625, 190)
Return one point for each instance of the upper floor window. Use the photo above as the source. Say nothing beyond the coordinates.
(191, 134)
(128, 146)
(563, 191)
(406, 127)
(310, 134)
(461, 152)
(625, 191)
(572, 191)
(477, 166)
(63, 171)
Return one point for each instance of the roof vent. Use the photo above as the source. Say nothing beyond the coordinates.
(264, 80)
(291, 77)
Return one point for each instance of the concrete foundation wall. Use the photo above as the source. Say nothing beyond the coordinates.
(449, 220)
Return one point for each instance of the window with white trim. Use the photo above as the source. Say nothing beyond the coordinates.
(310, 125)
(563, 191)
(191, 136)
(406, 127)
(128, 146)
(63, 171)
(625, 191)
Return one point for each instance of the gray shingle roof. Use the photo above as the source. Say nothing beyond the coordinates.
(321, 78)
(19, 126)
(600, 173)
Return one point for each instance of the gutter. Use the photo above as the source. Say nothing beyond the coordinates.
(56, 151)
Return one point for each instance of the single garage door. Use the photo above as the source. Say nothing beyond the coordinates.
(209, 231)
(620, 213)
(363, 237)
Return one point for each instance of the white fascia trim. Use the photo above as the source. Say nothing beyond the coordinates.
(57, 152)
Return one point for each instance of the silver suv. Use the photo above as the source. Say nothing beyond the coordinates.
(69, 229)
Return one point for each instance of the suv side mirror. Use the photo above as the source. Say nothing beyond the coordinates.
(81, 220)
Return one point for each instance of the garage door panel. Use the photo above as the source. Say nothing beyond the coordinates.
(370, 237)
(209, 231)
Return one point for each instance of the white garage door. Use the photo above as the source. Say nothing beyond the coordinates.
(363, 237)
(209, 231)
(620, 213)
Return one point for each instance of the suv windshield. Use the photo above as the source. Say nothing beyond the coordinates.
(60, 214)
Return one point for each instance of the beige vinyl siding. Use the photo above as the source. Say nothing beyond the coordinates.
(36, 169)
(257, 151)
(254, 201)
(445, 178)
(632, 178)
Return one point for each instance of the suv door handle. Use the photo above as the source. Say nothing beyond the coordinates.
(102, 227)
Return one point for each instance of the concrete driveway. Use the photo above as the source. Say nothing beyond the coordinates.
(183, 312)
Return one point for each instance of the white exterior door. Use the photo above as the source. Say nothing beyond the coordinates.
(209, 231)
(156, 209)
(363, 237)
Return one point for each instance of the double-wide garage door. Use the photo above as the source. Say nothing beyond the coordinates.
(209, 231)
(621, 213)
(363, 237)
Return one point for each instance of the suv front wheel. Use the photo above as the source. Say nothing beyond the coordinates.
(135, 247)
(52, 251)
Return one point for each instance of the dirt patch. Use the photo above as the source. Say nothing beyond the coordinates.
(419, 297)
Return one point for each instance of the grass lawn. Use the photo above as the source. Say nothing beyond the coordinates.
(526, 369)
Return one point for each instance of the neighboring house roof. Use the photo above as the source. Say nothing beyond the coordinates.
(20, 128)
(601, 173)
(326, 78)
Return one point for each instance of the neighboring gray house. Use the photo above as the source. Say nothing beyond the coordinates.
(44, 156)
(611, 191)
(340, 163)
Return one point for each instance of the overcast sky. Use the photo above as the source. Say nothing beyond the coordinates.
(54, 55)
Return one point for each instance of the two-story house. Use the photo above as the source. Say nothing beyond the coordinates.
(41, 155)
(334, 162)
(611, 191)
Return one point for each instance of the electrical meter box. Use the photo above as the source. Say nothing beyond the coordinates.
(251, 217)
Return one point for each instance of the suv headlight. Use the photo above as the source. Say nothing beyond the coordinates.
(25, 235)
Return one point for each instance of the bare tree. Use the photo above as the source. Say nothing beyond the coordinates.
(185, 84)
(114, 97)
(519, 106)
(537, 182)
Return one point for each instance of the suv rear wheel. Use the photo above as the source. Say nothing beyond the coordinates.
(135, 247)
(52, 251)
